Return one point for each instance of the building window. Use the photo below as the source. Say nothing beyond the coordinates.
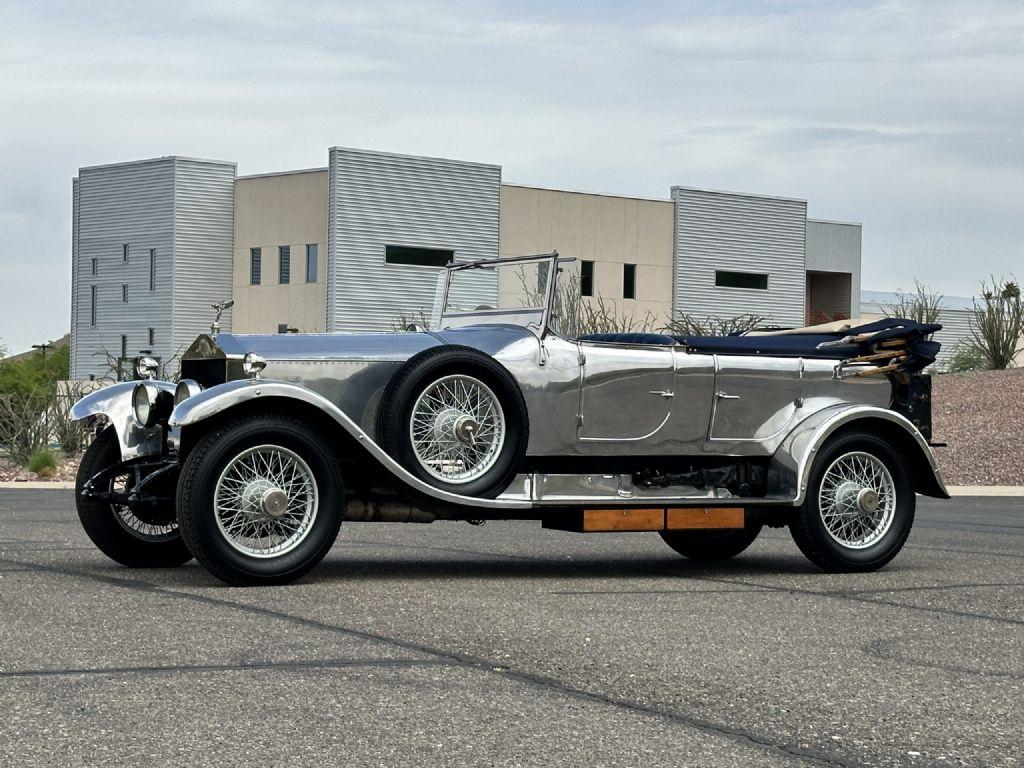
(95, 267)
(629, 281)
(124, 252)
(124, 293)
(284, 257)
(311, 259)
(417, 257)
(255, 265)
(152, 269)
(741, 280)
(586, 278)
(124, 346)
(92, 305)
(152, 338)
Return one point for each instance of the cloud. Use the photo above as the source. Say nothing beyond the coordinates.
(905, 116)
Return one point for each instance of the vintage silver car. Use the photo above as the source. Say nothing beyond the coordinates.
(269, 442)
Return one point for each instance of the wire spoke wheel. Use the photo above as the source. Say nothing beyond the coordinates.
(857, 500)
(265, 501)
(132, 522)
(457, 429)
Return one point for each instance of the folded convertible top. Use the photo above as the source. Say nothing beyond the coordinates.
(886, 345)
(896, 342)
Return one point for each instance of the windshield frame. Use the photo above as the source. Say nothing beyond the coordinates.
(508, 315)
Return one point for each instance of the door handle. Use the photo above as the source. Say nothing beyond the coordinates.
(663, 392)
(726, 396)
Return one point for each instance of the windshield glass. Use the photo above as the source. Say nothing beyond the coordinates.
(514, 292)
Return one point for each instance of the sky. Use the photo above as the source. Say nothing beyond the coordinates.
(907, 117)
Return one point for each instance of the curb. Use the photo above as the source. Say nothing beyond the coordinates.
(986, 490)
(38, 485)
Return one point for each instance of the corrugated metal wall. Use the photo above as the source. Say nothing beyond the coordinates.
(127, 203)
(956, 327)
(377, 199)
(204, 233)
(835, 246)
(742, 233)
(74, 268)
(184, 210)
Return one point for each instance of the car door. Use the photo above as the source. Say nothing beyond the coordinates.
(626, 391)
(756, 397)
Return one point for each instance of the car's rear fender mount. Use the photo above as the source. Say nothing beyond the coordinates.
(115, 403)
(793, 461)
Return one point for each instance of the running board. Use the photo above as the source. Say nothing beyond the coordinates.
(657, 519)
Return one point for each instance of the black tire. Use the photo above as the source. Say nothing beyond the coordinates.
(711, 545)
(108, 530)
(810, 532)
(197, 486)
(416, 376)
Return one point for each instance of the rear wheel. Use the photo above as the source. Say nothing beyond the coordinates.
(260, 500)
(138, 538)
(859, 507)
(711, 545)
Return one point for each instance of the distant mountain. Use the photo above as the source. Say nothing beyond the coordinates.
(63, 341)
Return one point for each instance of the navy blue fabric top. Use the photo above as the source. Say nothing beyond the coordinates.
(922, 350)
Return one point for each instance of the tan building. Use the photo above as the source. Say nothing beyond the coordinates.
(359, 244)
(281, 233)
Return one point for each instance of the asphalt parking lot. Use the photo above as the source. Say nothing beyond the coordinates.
(506, 644)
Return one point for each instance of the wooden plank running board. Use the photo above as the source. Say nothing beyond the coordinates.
(655, 519)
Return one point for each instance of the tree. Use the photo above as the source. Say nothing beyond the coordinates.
(997, 323)
(922, 306)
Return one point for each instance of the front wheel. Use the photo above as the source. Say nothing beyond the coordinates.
(260, 500)
(859, 507)
(146, 537)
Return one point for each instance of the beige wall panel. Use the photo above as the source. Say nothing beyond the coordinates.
(609, 230)
(271, 211)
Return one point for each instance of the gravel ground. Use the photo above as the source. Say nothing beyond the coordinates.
(981, 416)
(67, 467)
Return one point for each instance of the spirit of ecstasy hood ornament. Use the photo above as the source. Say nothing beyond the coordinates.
(220, 306)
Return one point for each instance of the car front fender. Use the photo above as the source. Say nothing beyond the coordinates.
(794, 459)
(224, 397)
(115, 403)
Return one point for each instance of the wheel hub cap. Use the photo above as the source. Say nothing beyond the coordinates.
(274, 503)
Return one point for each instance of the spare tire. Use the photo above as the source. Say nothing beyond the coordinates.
(457, 420)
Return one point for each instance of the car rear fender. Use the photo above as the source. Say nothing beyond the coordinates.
(794, 459)
(225, 397)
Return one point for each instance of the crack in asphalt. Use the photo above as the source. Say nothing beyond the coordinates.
(297, 664)
(457, 658)
(878, 649)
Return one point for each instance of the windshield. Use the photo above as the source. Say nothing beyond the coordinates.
(511, 291)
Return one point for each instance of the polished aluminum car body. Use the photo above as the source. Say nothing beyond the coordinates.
(599, 410)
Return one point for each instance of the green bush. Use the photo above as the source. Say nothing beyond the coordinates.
(967, 356)
(41, 460)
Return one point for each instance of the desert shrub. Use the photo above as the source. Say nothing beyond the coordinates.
(997, 323)
(41, 460)
(967, 356)
(922, 306)
(683, 324)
